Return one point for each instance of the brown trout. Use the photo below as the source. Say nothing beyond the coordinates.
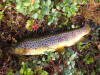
(51, 43)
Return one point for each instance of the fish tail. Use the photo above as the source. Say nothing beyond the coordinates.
(87, 28)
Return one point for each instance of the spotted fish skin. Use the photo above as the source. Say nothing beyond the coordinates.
(50, 43)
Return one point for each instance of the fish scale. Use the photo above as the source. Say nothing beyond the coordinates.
(50, 43)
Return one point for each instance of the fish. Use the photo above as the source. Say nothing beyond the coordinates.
(51, 43)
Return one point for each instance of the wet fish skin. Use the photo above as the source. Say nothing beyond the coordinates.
(51, 43)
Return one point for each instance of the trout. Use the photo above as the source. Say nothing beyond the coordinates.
(51, 43)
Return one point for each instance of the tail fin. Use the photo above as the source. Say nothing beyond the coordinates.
(87, 28)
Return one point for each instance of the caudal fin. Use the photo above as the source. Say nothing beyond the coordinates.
(87, 28)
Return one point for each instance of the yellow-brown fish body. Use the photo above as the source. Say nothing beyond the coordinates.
(51, 43)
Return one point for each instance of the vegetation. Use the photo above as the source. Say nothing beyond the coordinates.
(21, 19)
(36, 67)
(39, 9)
